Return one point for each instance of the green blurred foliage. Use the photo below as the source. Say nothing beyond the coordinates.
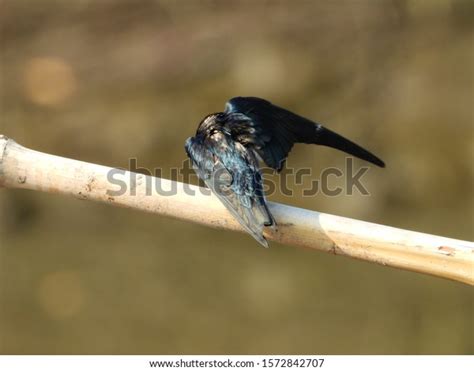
(110, 80)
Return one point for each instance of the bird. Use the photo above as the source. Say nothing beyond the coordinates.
(228, 147)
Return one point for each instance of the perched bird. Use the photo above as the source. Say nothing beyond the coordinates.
(227, 147)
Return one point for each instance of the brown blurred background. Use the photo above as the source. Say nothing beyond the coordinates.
(104, 81)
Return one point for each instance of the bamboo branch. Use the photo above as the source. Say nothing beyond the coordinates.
(24, 168)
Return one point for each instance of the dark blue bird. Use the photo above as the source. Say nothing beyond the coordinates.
(228, 146)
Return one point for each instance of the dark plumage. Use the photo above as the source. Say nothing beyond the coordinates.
(225, 151)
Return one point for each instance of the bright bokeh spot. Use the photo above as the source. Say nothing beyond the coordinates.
(48, 81)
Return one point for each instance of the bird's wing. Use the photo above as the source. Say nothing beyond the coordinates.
(247, 207)
(273, 130)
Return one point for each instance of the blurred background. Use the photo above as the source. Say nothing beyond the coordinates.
(105, 81)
